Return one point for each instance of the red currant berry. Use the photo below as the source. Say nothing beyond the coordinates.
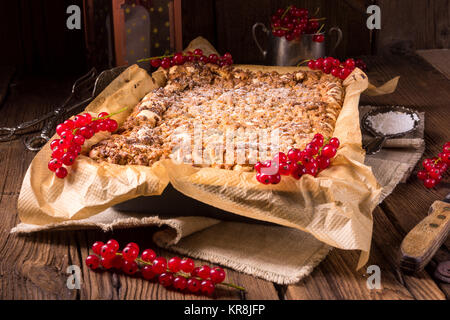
(60, 128)
(318, 142)
(313, 171)
(187, 265)
(107, 252)
(68, 158)
(429, 183)
(86, 132)
(228, 56)
(148, 255)
(155, 63)
(294, 155)
(87, 117)
(174, 264)
(79, 140)
(111, 125)
(102, 125)
(133, 245)
(435, 173)
(293, 167)
(159, 265)
(70, 124)
(350, 63)
(311, 149)
(117, 262)
(102, 115)
(258, 167)
(80, 121)
(213, 58)
(335, 72)
(312, 64)
(329, 151)
(147, 272)
(58, 152)
(193, 285)
(179, 59)
(207, 287)
(106, 263)
(289, 36)
(285, 168)
(54, 164)
(275, 179)
(165, 63)
(97, 247)
(217, 275)
(67, 135)
(263, 178)
(299, 173)
(204, 59)
(335, 142)
(166, 279)
(198, 52)
(319, 38)
(319, 64)
(92, 262)
(345, 72)
(204, 272)
(75, 149)
(280, 158)
(61, 172)
(442, 166)
(180, 283)
(445, 157)
(323, 162)
(64, 144)
(326, 70)
(113, 244)
(194, 272)
(130, 267)
(130, 253)
(54, 144)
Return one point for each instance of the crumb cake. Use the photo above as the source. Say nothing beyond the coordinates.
(228, 104)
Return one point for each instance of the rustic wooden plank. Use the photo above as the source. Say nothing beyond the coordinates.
(198, 20)
(336, 277)
(417, 25)
(426, 89)
(32, 267)
(438, 58)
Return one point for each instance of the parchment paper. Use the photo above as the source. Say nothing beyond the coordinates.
(334, 208)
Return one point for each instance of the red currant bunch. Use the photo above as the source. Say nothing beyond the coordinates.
(180, 274)
(292, 22)
(315, 157)
(333, 66)
(435, 168)
(72, 135)
(180, 58)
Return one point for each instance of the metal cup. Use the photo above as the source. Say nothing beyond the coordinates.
(289, 53)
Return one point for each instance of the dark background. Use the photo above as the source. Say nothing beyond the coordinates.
(35, 38)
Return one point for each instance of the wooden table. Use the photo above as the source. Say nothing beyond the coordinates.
(34, 266)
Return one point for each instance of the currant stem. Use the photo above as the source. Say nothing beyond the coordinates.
(320, 29)
(285, 12)
(318, 19)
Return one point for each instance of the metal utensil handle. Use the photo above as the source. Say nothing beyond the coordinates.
(339, 39)
(266, 31)
(375, 145)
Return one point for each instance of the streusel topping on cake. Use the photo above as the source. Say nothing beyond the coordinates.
(212, 109)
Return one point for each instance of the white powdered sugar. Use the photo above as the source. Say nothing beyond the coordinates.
(392, 122)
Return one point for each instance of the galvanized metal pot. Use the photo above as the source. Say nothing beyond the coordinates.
(281, 52)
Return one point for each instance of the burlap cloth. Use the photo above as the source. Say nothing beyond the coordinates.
(280, 254)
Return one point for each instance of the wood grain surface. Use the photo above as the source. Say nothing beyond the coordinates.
(34, 266)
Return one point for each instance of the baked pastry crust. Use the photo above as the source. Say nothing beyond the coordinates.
(229, 104)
